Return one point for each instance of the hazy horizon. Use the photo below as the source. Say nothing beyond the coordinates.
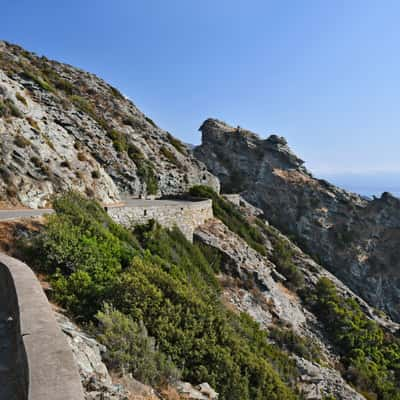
(366, 184)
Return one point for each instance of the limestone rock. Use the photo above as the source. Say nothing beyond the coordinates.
(96, 381)
(201, 392)
(354, 237)
(251, 284)
(62, 128)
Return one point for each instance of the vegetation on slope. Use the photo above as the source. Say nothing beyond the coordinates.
(160, 285)
(254, 234)
(232, 218)
(370, 356)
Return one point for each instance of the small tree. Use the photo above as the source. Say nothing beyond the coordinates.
(131, 349)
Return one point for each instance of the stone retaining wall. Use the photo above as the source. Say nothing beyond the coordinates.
(187, 216)
(44, 364)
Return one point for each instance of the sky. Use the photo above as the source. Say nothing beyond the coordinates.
(324, 74)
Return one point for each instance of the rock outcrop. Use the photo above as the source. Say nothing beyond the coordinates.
(62, 128)
(96, 380)
(252, 285)
(355, 238)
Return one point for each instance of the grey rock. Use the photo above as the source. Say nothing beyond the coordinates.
(96, 380)
(62, 138)
(354, 237)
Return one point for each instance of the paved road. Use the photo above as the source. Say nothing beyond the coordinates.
(6, 215)
(9, 215)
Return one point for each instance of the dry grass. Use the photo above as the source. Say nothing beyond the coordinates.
(10, 232)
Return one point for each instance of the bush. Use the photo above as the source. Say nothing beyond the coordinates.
(177, 144)
(84, 105)
(39, 80)
(282, 256)
(287, 339)
(96, 174)
(370, 356)
(156, 276)
(65, 164)
(145, 170)
(21, 141)
(134, 153)
(13, 109)
(118, 139)
(150, 121)
(21, 98)
(130, 349)
(231, 216)
(169, 155)
(64, 85)
(33, 124)
(8, 108)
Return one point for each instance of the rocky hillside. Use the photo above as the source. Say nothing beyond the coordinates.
(355, 238)
(243, 308)
(62, 128)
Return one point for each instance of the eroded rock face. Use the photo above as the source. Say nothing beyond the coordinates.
(96, 380)
(62, 128)
(251, 284)
(356, 238)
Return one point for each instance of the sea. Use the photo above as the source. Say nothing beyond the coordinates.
(366, 184)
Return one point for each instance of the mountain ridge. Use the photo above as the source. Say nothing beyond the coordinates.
(66, 128)
(355, 238)
(246, 294)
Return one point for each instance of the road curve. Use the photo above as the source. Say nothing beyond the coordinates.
(13, 214)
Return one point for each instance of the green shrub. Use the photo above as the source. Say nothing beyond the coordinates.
(14, 110)
(287, 339)
(33, 123)
(8, 109)
(96, 174)
(118, 139)
(131, 349)
(150, 121)
(158, 277)
(371, 357)
(169, 155)
(21, 98)
(64, 85)
(145, 170)
(84, 105)
(134, 153)
(115, 92)
(21, 141)
(231, 216)
(177, 144)
(39, 80)
(65, 164)
(282, 256)
(133, 122)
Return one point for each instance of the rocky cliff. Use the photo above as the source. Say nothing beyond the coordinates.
(355, 238)
(62, 128)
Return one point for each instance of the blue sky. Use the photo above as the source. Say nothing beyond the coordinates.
(324, 74)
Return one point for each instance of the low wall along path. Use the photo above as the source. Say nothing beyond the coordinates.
(186, 215)
(36, 362)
